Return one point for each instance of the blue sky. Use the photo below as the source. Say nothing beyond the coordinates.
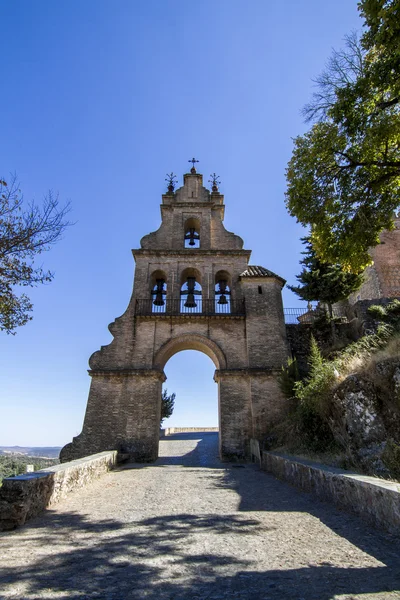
(99, 101)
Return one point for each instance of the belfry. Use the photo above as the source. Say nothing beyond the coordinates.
(193, 290)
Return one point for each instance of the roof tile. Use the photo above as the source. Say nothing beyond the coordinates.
(257, 271)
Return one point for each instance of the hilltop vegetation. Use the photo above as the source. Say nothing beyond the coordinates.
(348, 404)
(15, 464)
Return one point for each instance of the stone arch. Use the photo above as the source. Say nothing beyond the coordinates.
(157, 274)
(189, 341)
(223, 274)
(191, 272)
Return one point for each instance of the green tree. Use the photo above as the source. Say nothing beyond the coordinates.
(167, 405)
(344, 174)
(324, 282)
(25, 232)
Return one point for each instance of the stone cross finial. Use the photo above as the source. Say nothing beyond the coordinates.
(193, 161)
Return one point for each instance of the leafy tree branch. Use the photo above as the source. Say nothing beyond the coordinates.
(25, 232)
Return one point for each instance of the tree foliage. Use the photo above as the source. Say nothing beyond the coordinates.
(324, 282)
(344, 174)
(167, 405)
(25, 232)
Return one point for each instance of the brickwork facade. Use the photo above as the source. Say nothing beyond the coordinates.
(383, 277)
(193, 289)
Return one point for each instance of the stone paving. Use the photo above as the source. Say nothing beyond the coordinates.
(191, 528)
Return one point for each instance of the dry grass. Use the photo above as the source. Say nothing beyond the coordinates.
(391, 351)
(365, 361)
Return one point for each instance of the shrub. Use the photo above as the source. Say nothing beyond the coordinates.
(313, 395)
(288, 377)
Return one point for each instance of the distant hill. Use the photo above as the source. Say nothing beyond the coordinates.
(43, 452)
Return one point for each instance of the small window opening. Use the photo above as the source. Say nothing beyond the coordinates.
(158, 294)
(192, 233)
(259, 289)
(222, 297)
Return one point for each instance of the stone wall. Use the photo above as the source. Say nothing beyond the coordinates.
(172, 430)
(359, 310)
(374, 500)
(25, 496)
(299, 337)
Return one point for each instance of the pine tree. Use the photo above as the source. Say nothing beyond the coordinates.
(324, 282)
(167, 405)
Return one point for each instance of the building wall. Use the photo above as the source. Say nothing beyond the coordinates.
(382, 279)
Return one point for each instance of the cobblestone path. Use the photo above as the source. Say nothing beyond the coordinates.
(189, 527)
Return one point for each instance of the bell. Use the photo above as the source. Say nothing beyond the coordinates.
(192, 236)
(190, 302)
(159, 300)
(222, 284)
(191, 233)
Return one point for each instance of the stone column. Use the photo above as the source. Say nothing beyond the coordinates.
(123, 413)
(234, 405)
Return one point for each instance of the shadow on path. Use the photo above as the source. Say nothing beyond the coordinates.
(156, 558)
(126, 565)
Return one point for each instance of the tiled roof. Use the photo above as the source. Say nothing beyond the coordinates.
(257, 271)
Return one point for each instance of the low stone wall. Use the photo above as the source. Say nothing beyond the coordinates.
(25, 496)
(375, 500)
(170, 430)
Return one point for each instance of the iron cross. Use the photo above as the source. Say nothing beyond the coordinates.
(193, 161)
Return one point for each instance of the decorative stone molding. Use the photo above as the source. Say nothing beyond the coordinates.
(111, 373)
(246, 372)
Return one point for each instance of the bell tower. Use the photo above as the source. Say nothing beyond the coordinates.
(193, 289)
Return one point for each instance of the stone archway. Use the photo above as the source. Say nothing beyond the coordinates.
(200, 296)
(191, 341)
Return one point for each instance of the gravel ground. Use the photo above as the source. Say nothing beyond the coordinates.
(189, 527)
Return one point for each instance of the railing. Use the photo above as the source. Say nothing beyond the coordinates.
(294, 316)
(204, 307)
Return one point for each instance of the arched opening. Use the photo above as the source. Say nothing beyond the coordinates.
(192, 233)
(191, 292)
(158, 291)
(223, 292)
(190, 376)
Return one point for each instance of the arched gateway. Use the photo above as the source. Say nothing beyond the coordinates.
(193, 290)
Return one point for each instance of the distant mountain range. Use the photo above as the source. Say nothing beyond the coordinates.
(43, 452)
